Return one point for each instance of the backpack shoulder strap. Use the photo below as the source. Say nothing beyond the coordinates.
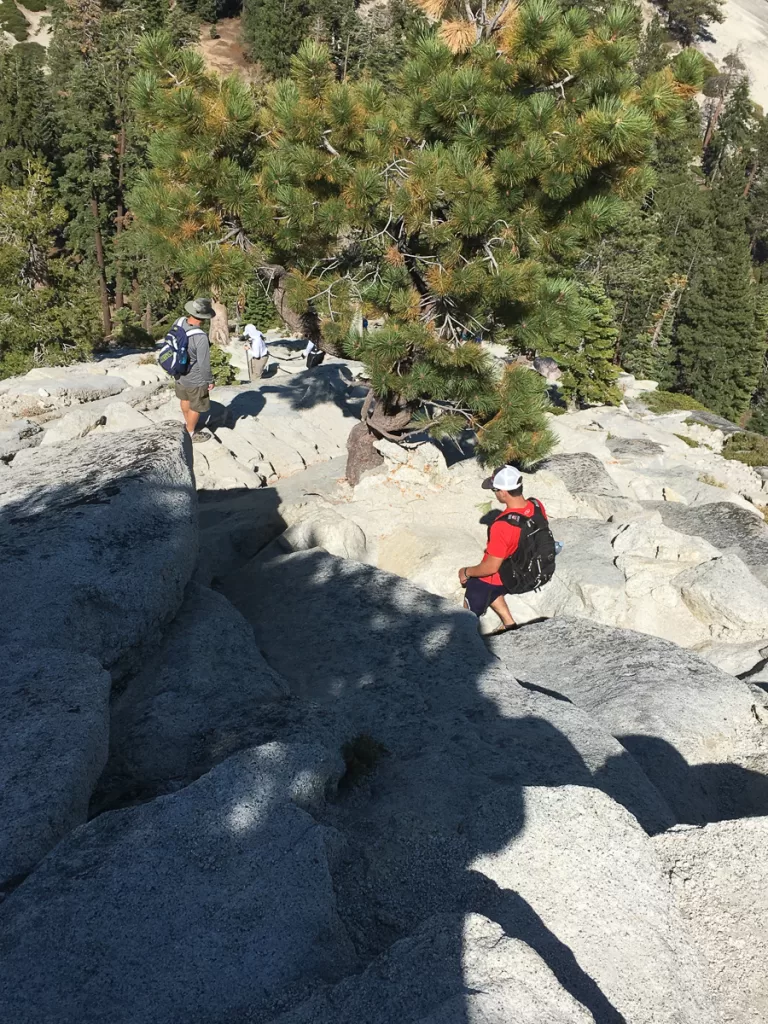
(512, 516)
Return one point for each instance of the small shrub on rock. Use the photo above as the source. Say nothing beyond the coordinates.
(223, 371)
(749, 448)
(689, 441)
(707, 478)
(670, 401)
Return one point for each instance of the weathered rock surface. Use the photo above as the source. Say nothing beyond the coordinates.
(688, 725)
(75, 424)
(123, 416)
(710, 419)
(328, 530)
(724, 594)
(632, 448)
(400, 658)
(65, 389)
(580, 472)
(54, 727)
(205, 905)
(728, 528)
(98, 541)
(453, 970)
(717, 877)
(18, 435)
(412, 674)
(179, 715)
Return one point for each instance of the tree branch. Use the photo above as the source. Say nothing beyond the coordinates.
(328, 146)
(499, 15)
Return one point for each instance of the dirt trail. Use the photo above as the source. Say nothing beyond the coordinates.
(226, 55)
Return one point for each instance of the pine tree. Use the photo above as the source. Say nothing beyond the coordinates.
(274, 30)
(450, 209)
(192, 208)
(718, 341)
(736, 130)
(519, 432)
(27, 130)
(48, 302)
(689, 20)
(588, 359)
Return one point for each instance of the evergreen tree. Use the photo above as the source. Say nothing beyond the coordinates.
(655, 44)
(689, 20)
(718, 341)
(519, 432)
(632, 267)
(588, 358)
(451, 209)
(735, 134)
(274, 30)
(382, 37)
(27, 130)
(48, 302)
(193, 207)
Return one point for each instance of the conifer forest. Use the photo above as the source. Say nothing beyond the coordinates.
(570, 179)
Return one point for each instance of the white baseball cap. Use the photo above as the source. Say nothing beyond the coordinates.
(505, 479)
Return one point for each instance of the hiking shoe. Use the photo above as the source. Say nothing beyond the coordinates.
(502, 629)
(204, 435)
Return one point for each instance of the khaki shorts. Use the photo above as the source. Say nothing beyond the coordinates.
(256, 367)
(198, 398)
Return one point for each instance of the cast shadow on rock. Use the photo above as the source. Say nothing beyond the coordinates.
(409, 673)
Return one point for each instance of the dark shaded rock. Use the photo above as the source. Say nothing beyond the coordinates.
(98, 539)
(629, 448)
(711, 419)
(580, 472)
(686, 723)
(726, 526)
(54, 729)
(192, 697)
(198, 906)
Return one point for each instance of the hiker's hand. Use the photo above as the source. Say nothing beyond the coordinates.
(463, 577)
(211, 387)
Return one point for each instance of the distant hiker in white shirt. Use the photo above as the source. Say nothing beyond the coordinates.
(257, 352)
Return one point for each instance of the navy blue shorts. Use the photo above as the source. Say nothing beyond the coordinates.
(480, 595)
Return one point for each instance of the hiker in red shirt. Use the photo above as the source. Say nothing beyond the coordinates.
(483, 584)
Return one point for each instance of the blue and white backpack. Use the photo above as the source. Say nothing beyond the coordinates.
(174, 355)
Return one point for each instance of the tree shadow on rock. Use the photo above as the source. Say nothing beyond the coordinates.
(464, 748)
(328, 383)
(701, 793)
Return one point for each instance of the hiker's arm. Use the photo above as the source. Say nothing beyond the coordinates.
(489, 565)
(204, 359)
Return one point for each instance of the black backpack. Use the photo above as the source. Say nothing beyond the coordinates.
(315, 357)
(533, 563)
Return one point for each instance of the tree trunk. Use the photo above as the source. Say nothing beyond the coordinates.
(219, 330)
(751, 179)
(305, 325)
(713, 121)
(106, 316)
(361, 455)
(147, 323)
(121, 142)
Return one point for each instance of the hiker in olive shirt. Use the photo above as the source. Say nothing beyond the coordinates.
(193, 388)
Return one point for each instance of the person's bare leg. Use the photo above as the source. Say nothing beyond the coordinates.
(500, 607)
(190, 417)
